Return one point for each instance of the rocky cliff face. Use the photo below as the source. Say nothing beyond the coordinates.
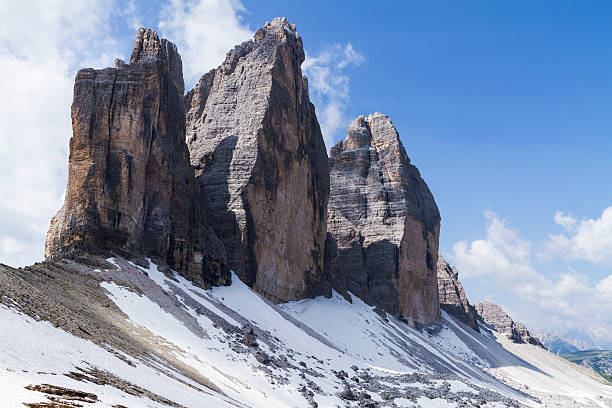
(261, 163)
(130, 187)
(495, 316)
(383, 223)
(452, 295)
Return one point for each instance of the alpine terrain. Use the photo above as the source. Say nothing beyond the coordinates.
(209, 253)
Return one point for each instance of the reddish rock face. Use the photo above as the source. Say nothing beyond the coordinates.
(452, 295)
(261, 163)
(383, 223)
(130, 187)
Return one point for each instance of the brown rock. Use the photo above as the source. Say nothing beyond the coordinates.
(493, 315)
(261, 163)
(131, 188)
(452, 295)
(383, 223)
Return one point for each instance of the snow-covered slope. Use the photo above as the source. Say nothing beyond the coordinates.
(117, 334)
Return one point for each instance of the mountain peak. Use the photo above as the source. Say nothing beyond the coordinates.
(493, 314)
(383, 223)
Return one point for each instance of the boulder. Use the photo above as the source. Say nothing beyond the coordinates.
(261, 163)
(452, 295)
(493, 315)
(383, 223)
(131, 188)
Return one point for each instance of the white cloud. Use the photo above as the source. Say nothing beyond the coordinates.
(502, 253)
(591, 239)
(566, 220)
(41, 47)
(567, 299)
(204, 31)
(604, 287)
(131, 15)
(329, 86)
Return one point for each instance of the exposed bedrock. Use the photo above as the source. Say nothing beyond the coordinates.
(495, 316)
(383, 223)
(261, 163)
(452, 296)
(131, 188)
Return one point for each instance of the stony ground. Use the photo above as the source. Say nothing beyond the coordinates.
(145, 335)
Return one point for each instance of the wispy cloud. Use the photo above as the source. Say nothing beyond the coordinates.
(131, 14)
(329, 86)
(41, 47)
(204, 31)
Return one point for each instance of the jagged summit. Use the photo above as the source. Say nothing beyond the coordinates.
(131, 188)
(279, 26)
(383, 223)
(492, 314)
(148, 47)
(359, 133)
(99, 323)
(261, 163)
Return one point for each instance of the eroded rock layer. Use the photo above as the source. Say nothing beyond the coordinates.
(130, 186)
(261, 163)
(383, 223)
(495, 316)
(452, 295)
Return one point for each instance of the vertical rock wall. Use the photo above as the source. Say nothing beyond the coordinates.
(131, 187)
(383, 223)
(261, 163)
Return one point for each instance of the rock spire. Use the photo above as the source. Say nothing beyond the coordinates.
(261, 163)
(131, 188)
(383, 223)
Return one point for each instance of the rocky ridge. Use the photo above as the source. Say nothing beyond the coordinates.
(261, 163)
(492, 314)
(383, 223)
(243, 150)
(109, 331)
(452, 295)
(131, 188)
(128, 330)
(120, 331)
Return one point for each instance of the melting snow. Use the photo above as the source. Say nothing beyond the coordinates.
(203, 328)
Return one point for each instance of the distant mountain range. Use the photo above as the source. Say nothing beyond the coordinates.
(574, 340)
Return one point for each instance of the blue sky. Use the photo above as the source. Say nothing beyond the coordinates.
(504, 107)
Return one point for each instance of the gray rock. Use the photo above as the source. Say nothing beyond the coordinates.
(261, 163)
(495, 316)
(131, 188)
(347, 394)
(262, 357)
(383, 223)
(452, 295)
